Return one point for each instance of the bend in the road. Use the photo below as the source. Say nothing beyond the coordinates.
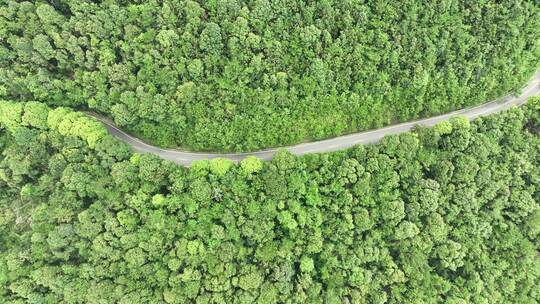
(337, 143)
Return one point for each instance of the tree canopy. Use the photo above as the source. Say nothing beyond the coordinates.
(243, 75)
(445, 214)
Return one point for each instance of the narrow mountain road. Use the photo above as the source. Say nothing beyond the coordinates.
(337, 143)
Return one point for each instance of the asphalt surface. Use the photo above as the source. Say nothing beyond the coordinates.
(337, 143)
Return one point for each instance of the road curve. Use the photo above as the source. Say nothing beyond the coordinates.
(337, 143)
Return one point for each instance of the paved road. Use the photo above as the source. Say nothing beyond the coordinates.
(333, 144)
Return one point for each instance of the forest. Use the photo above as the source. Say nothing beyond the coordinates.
(242, 75)
(449, 214)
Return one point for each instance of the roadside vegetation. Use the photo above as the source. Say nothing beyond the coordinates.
(446, 214)
(244, 75)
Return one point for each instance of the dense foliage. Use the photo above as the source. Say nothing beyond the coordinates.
(247, 74)
(443, 215)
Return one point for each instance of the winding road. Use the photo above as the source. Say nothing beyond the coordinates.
(337, 143)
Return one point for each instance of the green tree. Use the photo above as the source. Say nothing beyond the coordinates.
(211, 40)
(251, 164)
